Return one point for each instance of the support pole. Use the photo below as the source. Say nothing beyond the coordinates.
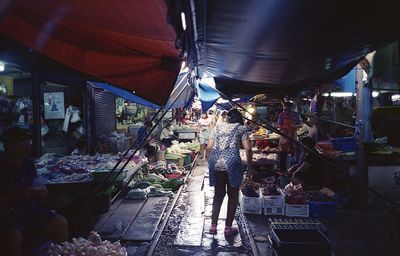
(363, 133)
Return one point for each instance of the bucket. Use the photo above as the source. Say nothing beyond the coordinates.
(187, 160)
(181, 161)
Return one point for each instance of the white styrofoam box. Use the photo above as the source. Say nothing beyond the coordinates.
(274, 210)
(297, 210)
(273, 201)
(251, 205)
(187, 135)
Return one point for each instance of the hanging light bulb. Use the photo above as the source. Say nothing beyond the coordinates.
(375, 94)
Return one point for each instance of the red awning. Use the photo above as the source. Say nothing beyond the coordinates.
(125, 43)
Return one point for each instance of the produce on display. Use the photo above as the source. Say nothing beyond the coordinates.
(75, 169)
(295, 194)
(318, 196)
(261, 158)
(92, 246)
(159, 179)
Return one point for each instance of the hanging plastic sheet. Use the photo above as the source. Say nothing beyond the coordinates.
(259, 46)
(125, 43)
(125, 94)
(208, 96)
(185, 98)
(348, 82)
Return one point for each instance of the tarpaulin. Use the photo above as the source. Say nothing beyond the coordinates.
(125, 94)
(207, 95)
(258, 46)
(347, 83)
(182, 95)
(183, 90)
(125, 43)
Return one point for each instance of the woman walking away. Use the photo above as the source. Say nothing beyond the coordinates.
(205, 125)
(226, 168)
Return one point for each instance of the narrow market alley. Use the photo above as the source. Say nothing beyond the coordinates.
(186, 232)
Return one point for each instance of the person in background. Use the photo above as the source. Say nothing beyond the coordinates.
(184, 118)
(205, 125)
(212, 116)
(194, 117)
(166, 135)
(80, 148)
(143, 132)
(309, 171)
(222, 117)
(288, 122)
(21, 191)
(226, 168)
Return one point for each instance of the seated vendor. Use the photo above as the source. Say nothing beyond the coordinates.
(143, 133)
(309, 172)
(21, 215)
(80, 148)
(167, 135)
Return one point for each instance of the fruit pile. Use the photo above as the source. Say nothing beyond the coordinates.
(317, 196)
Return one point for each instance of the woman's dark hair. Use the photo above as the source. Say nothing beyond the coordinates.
(287, 104)
(234, 116)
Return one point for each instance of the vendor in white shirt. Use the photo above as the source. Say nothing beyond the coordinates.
(166, 135)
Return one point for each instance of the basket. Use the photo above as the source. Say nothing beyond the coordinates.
(345, 144)
(322, 209)
(187, 160)
(297, 210)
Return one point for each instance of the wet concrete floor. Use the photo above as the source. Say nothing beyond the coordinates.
(186, 232)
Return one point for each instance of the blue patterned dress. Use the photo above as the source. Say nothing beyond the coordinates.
(225, 154)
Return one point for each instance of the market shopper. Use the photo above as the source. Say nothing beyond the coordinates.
(225, 166)
(222, 117)
(309, 171)
(288, 122)
(21, 193)
(205, 125)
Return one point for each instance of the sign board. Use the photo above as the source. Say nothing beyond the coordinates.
(53, 105)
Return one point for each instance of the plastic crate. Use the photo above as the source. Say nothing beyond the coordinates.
(274, 210)
(273, 201)
(296, 223)
(297, 210)
(178, 162)
(289, 242)
(322, 209)
(250, 205)
(345, 144)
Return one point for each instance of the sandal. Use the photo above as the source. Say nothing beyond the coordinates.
(213, 230)
(230, 231)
